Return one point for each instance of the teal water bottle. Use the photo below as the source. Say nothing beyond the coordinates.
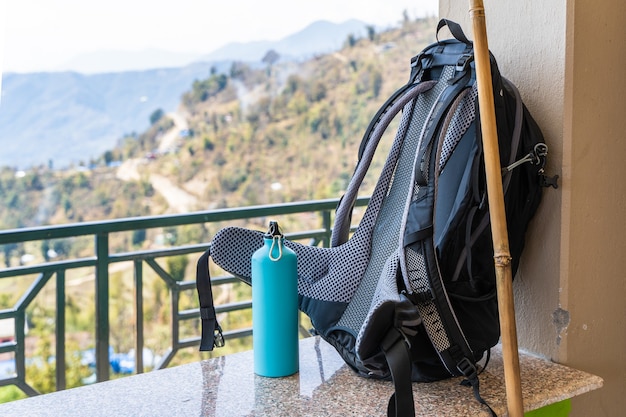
(274, 307)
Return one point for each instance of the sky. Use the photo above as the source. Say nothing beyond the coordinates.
(44, 35)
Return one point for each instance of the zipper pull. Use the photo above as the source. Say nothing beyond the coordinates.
(535, 157)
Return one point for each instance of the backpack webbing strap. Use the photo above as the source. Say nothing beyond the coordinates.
(455, 30)
(211, 331)
(397, 354)
(472, 380)
(396, 351)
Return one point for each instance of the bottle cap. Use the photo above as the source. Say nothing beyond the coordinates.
(274, 231)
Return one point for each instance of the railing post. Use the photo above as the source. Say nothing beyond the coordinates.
(139, 316)
(102, 307)
(20, 336)
(60, 332)
(175, 300)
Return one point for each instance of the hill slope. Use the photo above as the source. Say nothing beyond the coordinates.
(70, 117)
(283, 133)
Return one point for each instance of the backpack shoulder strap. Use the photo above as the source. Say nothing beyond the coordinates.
(422, 275)
(374, 133)
(211, 331)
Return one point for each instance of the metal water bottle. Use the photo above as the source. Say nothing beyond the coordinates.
(274, 307)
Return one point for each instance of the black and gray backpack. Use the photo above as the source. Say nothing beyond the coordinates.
(411, 294)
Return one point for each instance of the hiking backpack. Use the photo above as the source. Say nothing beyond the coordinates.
(411, 294)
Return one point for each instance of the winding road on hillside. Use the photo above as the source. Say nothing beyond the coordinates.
(168, 140)
(179, 200)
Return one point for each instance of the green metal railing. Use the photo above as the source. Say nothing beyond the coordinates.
(103, 258)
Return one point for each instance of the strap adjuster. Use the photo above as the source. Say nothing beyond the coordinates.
(463, 61)
(467, 368)
(393, 336)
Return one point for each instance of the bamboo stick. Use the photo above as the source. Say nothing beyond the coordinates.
(502, 255)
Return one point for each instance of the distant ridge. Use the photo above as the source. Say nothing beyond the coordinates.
(319, 37)
(69, 117)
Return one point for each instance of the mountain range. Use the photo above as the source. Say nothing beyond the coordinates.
(69, 117)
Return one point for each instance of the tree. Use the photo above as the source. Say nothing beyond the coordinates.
(139, 236)
(317, 91)
(371, 32)
(156, 116)
(41, 372)
(294, 82)
(238, 70)
(351, 40)
(45, 250)
(176, 266)
(202, 90)
(108, 155)
(270, 57)
(8, 250)
(405, 17)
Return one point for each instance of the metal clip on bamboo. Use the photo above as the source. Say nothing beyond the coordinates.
(502, 256)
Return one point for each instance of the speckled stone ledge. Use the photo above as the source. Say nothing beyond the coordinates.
(325, 386)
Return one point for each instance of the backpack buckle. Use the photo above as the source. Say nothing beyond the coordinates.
(393, 336)
(463, 62)
(462, 68)
(467, 368)
(418, 64)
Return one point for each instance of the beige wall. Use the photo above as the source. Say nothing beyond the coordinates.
(569, 61)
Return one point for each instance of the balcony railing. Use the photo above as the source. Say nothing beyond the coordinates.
(101, 260)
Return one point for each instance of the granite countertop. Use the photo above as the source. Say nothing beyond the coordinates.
(324, 386)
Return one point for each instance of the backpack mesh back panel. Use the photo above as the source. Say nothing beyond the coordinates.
(386, 233)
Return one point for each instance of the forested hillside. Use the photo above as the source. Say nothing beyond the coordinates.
(287, 132)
